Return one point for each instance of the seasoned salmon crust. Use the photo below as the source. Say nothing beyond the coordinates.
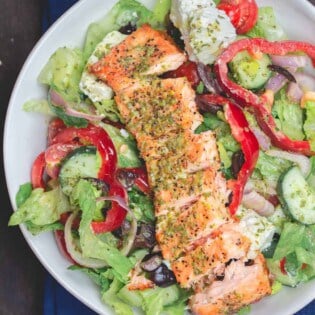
(204, 245)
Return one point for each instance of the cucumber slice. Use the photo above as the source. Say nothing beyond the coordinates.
(297, 196)
(249, 72)
(80, 163)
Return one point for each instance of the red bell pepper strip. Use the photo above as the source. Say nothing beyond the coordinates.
(282, 265)
(245, 137)
(37, 172)
(259, 104)
(115, 215)
(99, 138)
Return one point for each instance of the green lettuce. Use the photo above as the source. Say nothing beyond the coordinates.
(288, 116)
(63, 72)
(122, 13)
(40, 208)
(227, 145)
(92, 246)
(110, 297)
(125, 145)
(309, 124)
(157, 299)
(271, 168)
(297, 246)
(267, 26)
(37, 106)
(141, 205)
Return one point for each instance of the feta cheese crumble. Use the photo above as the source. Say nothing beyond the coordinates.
(258, 229)
(95, 89)
(205, 30)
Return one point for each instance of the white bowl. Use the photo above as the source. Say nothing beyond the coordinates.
(25, 137)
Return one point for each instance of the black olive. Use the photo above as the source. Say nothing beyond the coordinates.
(99, 185)
(283, 71)
(174, 33)
(237, 162)
(128, 29)
(145, 237)
(126, 177)
(122, 230)
(162, 276)
(205, 106)
(118, 233)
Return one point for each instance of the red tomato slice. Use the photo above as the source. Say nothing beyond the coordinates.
(55, 126)
(243, 13)
(37, 172)
(188, 70)
(54, 154)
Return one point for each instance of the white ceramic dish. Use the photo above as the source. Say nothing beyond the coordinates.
(25, 136)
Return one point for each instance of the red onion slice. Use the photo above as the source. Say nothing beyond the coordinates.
(262, 138)
(133, 228)
(258, 203)
(74, 251)
(305, 81)
(207, 80)
(302, 161)
(294, 92)
(276, 82)
(289, 61)
(58, 100)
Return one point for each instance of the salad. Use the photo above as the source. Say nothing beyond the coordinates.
(97, 187)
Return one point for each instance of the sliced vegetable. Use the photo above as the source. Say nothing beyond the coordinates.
(297, 196)
(80, 163)
(37, 172)
(261, 104)
(243, 13)
(251, 73)
(249, 145)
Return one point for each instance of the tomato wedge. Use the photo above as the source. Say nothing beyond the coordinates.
(37, 172)
(188, 70)
(54, 127)
(242, 13)
(54, 154)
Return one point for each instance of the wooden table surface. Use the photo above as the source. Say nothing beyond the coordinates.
(21, 275)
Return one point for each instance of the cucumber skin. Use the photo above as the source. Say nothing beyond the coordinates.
(80, 150)
(285, 205)
(247, 82)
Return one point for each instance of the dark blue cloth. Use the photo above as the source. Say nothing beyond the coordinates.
(58, 301)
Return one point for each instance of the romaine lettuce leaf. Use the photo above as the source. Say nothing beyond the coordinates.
(23, 193)
(92, 246)
(297, 247)
(37, 106)
(41, 208)
(63, 72)
(271, 167)
(123, 12)
(309, 124)
(288, 116)
(125, 145)
(141, 206)
(267, 26)
(110, 297)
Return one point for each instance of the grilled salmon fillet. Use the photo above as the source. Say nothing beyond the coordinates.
(145, 52)
(241, 286)
(203, 244)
